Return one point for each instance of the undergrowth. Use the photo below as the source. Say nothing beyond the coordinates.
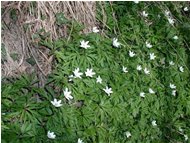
(135, 89)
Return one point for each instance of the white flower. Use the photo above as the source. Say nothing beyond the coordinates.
(56, 103)
(146, 71)
(186, 137)
(108, 90)
(89, 73)
(95, 30)
(99, 79)
(171, 63)
(152, 56)
(67, 94)
(84, 44)
(185, 9)
(154, 123)
(80, 141)
(167, 13)
(135, 1)
(180, 129)
(139, 68)
(116, 43)
(77, 74)
(174, 92)
(71, 77)
(142, 94)
(124, 69)
(148, 45)
(144, 14)
(51, 135)
(175, 37)
(151, 91)
(170, 20)
(128, 134)
(181, 69)
(172, 86)
(131, 54)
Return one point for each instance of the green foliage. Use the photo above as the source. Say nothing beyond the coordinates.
(21, 111)
(31, 61)
(40, 34)
(92, 115)
(60, 19)
(14, 56)
(13, 15)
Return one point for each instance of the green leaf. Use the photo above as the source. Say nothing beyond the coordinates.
(60, 18)
(26, 127)
(31, 61)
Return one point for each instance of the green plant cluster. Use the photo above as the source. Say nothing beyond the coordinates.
(92, 115)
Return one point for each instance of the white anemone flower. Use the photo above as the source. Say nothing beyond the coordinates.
(154, 123)
(139, 68)
(146, 71)
(51, 135)
(99, 79)
(56, 103)
(116, 43)
(144, 14)
(167, 13)
(142, 94)
(181, 69)
(77, 74)
(151, 91)
(148, 45)
(171, 20)
(174, 92)
(108, 90)
(80, 141)
(95, 30)
(171, 63)
(185, 9)
(89, 73)
(186, 137)
(172, 86)
(84, 44)
(152, 56)
(131, 54)
(124, 69)
(128, 134)
(136, 1)
(175, 37)
(180, 129)
(67, 94)
(71, 77)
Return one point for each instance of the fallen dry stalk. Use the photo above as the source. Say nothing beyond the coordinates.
(18, 39)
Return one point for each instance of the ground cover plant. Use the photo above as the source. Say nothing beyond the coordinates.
(130, 84)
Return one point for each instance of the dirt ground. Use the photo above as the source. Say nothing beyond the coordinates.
(21, 52)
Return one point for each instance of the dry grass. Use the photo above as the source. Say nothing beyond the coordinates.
(19, 40)
(83, 12)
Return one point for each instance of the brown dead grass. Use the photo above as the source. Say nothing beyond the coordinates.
(18, 40)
